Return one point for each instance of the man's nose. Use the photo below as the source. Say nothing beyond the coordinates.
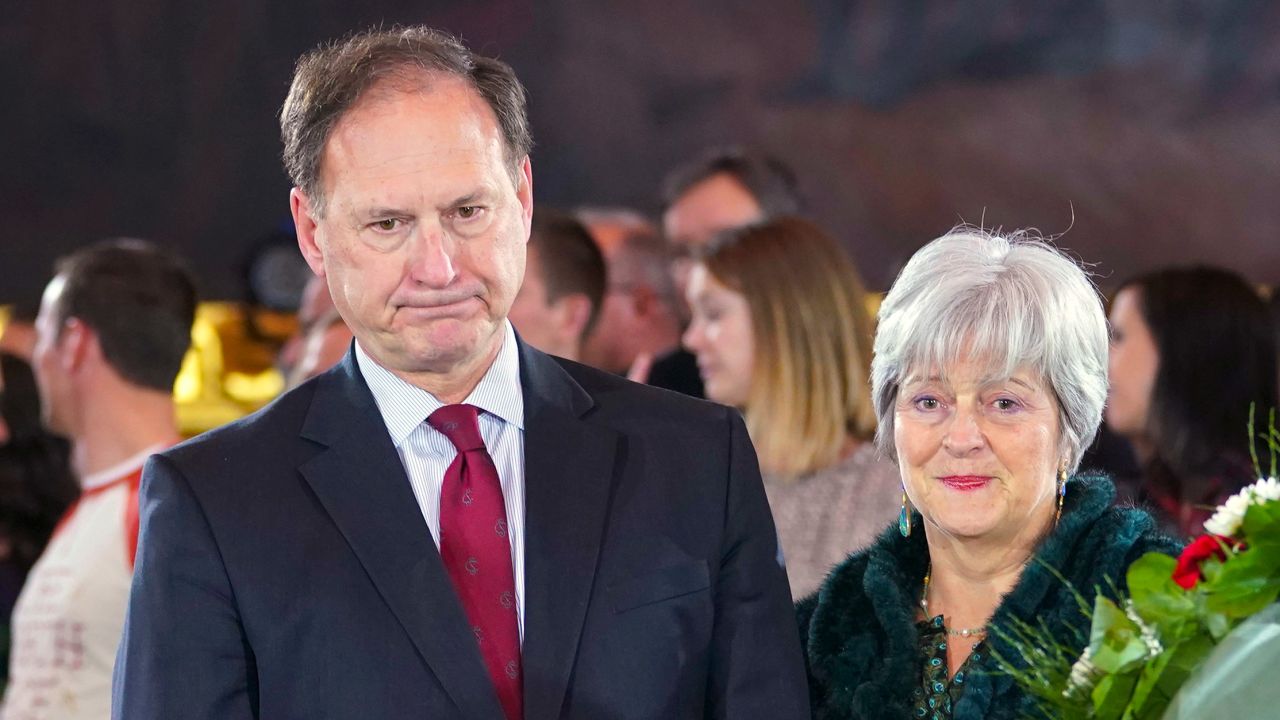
(431, 260)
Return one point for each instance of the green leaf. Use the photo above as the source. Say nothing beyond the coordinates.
(1115, 641)
(1217, 624)
(1111, 696)
(1163, 676)
(1243, 586)
(1156, 597)
(1262, 522)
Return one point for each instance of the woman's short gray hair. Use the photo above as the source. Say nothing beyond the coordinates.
(1012, 300)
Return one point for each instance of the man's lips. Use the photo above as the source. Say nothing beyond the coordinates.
(965, 482)
(448, 308)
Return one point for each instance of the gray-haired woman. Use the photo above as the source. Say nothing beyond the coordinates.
(989, 378)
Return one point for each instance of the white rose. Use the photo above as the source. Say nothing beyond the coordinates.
(1224, 522)
(1267, 490)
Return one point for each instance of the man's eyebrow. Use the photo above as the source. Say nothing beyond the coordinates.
(383, 211)
(478, 195)
(467, 199)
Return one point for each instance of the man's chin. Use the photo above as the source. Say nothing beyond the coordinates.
(443, 349)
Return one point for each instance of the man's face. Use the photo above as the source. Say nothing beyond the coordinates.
(422, 240)
(718, 203)
(47, 362)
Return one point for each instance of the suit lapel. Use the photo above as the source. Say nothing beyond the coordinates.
(569, 477)
(362, 485)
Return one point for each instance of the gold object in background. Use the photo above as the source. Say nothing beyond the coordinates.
(228, 373)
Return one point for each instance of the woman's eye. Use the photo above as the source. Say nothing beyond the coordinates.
(927, 403)
(1006, 404)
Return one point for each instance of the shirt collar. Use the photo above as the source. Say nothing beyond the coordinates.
(404, 406)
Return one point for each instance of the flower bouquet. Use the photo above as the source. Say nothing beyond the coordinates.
(1142, 647)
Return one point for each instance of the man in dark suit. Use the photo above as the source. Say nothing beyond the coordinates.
(450, 524)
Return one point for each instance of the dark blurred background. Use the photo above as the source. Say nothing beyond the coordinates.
(1147, 131)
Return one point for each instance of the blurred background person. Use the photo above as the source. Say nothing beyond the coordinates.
(564, 281)
(641, 317)
(325, 344)
(989, 381)
(322, 338)
(724, 188)
(1191, 349)
(611, 226)
(36, 485)
(112, 330)
(780, 330)
(314, 308)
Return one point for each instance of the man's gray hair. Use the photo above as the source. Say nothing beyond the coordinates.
(332, 79)
(1012, 301)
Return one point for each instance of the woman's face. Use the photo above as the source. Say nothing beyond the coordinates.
(1132, 366)
(720, 335)
(979, 456)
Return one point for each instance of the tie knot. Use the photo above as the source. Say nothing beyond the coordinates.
(460, 424)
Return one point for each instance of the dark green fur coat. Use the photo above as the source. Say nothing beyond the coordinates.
(859, 630)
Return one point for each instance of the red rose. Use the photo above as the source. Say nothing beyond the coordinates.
(1187, 573)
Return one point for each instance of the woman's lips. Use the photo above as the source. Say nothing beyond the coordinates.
(965, 482)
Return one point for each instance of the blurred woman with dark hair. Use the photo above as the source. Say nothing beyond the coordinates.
(36, 484)
(1191, 350)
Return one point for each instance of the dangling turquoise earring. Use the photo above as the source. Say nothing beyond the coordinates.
(904, 516)
(1062, 494)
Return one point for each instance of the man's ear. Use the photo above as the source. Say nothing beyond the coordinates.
(304, 220)
(575, 312)
(76, 344)
(524, 192)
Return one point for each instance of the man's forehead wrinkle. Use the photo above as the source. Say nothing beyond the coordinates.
(465, 177)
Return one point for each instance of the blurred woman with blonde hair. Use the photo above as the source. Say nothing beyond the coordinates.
(781, 331)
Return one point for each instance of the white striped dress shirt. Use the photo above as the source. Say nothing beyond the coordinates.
(426, 453)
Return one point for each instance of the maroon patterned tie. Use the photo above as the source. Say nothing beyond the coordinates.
(476, 552)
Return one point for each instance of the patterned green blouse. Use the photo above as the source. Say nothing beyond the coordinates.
(935, 694)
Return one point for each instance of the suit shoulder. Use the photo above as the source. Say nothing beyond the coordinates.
(282, 417)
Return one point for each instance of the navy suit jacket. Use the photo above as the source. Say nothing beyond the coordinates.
(284, 568)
